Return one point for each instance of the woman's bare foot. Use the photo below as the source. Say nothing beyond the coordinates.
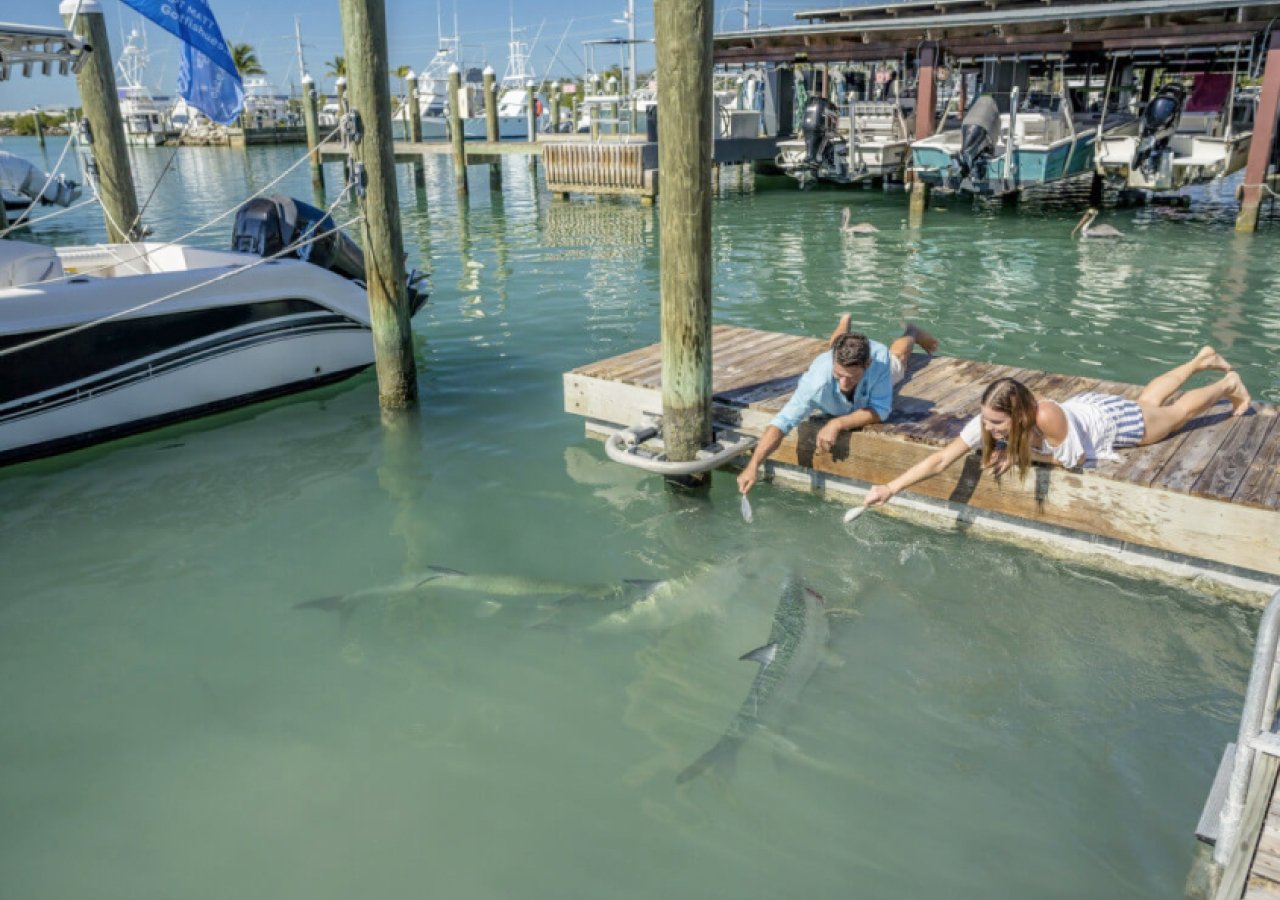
(928, 343)
(1208, 358)
(1237, 393)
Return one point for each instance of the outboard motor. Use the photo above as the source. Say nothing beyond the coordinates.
(1159, 121)
(978, 134)
(267, 225)
(34, 184)
(820, 122)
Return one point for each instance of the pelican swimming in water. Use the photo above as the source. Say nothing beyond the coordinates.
(1087, 230)
(860, 228)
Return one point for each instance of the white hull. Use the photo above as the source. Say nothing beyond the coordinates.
(279, 327)
(851, 165)
(510, 128)
(1191, 159)
(149, 138)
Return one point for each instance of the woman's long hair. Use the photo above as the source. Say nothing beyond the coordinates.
(1015, 400)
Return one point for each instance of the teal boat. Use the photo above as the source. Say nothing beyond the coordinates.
(1048, 144)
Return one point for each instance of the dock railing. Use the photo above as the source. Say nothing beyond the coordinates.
(1226, 806)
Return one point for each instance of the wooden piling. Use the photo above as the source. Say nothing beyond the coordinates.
(364, 34)
(456, 134)
(415, 112)
(1264, 130)
(683, 35)
(926, 109)
(311, 121)
(555, 109)
(39, 126)
(97, 83)
(490, 105)
(530, 112)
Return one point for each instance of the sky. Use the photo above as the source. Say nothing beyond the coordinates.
(268, 25)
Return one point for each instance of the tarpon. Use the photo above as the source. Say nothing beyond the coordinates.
(489, 585)
(795, 648)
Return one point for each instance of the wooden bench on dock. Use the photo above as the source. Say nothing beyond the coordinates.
(1209, 493)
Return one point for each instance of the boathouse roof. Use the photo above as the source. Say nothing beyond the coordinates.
(968, 29)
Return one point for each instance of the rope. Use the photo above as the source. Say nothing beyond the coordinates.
(148, 250)
(1264, 187)
(186, 290)
(172, 156)
(27, 223)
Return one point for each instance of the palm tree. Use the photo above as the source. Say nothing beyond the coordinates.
(246, 60)
(336, 67)
(402, 72)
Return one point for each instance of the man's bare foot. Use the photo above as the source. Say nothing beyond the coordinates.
(928, 343)
(1237, 393)
(1208, 358)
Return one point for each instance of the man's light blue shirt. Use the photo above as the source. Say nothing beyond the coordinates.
(818, 389)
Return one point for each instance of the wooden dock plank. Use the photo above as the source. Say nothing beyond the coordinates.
(1194, 472)
(1224, 474)
(1261, 485)
(1204, 436)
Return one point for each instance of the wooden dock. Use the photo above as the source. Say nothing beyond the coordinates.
(1208, 495)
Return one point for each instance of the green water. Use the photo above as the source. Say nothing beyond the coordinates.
(990, 723)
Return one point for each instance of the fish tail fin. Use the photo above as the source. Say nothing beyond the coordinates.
(336, 603)
(721, 759)
(328, 604)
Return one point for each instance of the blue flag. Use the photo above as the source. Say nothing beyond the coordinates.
(207, 79)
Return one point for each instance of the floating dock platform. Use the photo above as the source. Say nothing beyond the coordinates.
(1204, 502)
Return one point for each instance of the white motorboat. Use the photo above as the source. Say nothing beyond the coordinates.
(22, 185)
(145, 124)
(872, 140)
(265, 106)
(512, 90)
(101, 341)
(1183, 140)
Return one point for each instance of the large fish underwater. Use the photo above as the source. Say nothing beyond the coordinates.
(796, 646)
(489, 586)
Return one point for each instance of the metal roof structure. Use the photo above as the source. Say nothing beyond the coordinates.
(30, 46)
(971, 29)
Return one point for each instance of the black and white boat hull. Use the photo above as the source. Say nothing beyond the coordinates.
(269, 328)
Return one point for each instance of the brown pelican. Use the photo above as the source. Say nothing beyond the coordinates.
(860, 228)
(1087, 230)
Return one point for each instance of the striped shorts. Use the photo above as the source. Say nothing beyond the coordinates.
(1123, 413)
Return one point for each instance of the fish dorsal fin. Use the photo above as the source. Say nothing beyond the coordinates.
(763, 655)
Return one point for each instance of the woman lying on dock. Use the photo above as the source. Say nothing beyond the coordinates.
(1086, 427)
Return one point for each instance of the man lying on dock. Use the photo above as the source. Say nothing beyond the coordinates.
(853, 382)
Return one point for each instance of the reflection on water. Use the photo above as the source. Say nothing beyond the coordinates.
(986, 720)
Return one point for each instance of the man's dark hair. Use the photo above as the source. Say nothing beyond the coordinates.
(852, 350)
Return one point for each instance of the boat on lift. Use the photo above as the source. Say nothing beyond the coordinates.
(106, 340)
(992, 152)
(873, 144)
(1183, 139)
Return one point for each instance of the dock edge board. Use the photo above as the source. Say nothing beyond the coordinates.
(1221, 548)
